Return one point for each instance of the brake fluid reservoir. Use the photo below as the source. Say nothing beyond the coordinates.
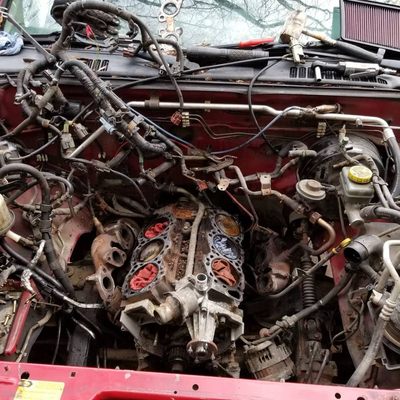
(6, 217)
(356, 183)
(356, 190)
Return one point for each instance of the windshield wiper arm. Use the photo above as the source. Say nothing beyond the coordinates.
(207, 54)
(351, 69)
(355, 51)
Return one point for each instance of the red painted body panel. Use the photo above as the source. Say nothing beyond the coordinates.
(105, 384)
(16, 329)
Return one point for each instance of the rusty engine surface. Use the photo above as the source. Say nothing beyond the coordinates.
(175, 279)
(192, 237)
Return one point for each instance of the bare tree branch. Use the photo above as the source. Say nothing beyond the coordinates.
(289, 6)
(229, 5)
(227, 20)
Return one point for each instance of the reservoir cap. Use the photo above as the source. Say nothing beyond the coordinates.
(360, 174)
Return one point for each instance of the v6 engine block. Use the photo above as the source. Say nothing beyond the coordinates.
(186, 271)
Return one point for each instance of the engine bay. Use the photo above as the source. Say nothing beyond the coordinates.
(182, 228)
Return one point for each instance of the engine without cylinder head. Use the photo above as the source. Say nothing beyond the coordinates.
(186, 269)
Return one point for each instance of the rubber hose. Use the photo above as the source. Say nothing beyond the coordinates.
(394, 147)
(24, 261)
(372, 212)
(45, 223)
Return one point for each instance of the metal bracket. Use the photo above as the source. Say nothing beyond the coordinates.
(265, 181)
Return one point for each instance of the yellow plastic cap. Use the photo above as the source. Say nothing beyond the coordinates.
(345, 242)
(360, 174)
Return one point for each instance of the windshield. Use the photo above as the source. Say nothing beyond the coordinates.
(203, 22)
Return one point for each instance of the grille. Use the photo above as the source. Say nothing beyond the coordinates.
(371, 23)
(308, 73)
(95, 64)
